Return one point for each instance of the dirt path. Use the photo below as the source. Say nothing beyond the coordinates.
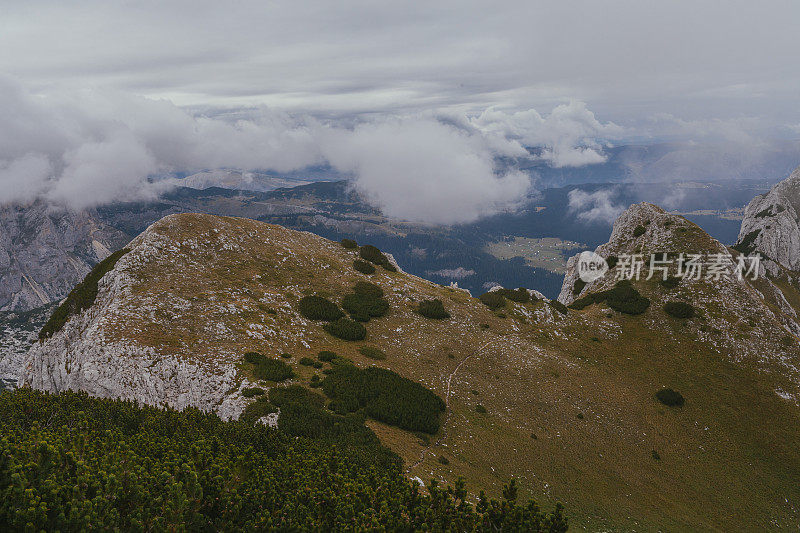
(447, 409)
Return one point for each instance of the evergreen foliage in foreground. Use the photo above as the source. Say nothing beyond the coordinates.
(73, 463)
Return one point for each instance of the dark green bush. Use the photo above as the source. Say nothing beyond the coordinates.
(578, 286)
(306, 361)
(670, 397)
(349, 243)
(443, 460)
(612, 261)
(679, 309)
(372, 353)
(362, 307)
(671, 282)
(370, 290)
(558, 306)
(363, 267)
(346, 329)
(386, 396)
(493, 300)
(319, 308)
(326, 355)
(251, 392)
(74, 463)
(433, 309)
(81, 297)
(317, 364)
(286, 355)
(267, 368)
(315, 382)
(638, 231)
(258, 409)
(375, 256)
(747, 245)
(623, 298)
(480, 409)
(519, 295)
(365, 302)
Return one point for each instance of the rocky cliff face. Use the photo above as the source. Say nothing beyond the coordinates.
(45, 251)
(771, 226)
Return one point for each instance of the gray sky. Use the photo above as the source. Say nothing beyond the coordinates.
(478, 78)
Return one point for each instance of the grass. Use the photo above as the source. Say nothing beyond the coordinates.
(532, 377)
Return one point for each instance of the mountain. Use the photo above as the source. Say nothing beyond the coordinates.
(771, 226)
(237, 180)
(45, 251)
(578, 403)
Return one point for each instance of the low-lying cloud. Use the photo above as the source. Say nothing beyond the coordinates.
(597, 206)
(87, 148)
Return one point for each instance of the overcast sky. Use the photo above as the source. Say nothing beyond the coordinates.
(480, 78)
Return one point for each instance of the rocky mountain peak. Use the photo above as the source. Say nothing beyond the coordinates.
(771, 226)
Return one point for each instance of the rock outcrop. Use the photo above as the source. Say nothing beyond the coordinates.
(45, 251)
(771, 226)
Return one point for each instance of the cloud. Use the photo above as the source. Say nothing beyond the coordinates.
(571, 135)
(597, 206)
(83, 148)
(418, 168)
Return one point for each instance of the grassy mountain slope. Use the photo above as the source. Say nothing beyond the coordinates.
(564, 403)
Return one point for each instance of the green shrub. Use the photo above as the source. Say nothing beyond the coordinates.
(638, 231)
(433, 309)
(679, 309)
(317, 364)
(256, 410)
(655, 455)
(286, 355)
(81, 297)
(519, 295)
(372, 353)
(558, 306)
(578, 286)
(326, 356)
(365, 302)
(375, 256)
(370, 290)
(250, 392)
(747, 245)
(612, 261)
(349, 243)
(362, 307)
(480, 409)
(385, 395)
(306, 361)
(671, 282)
(670, 397)
(315, 382)
(346, 329)
(443, 460)
(267, 368)
(363, 267)
(319, 308)
(493, 300)
(110, 465)
(623, 298)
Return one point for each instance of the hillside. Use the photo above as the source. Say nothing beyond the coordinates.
(565, 403)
